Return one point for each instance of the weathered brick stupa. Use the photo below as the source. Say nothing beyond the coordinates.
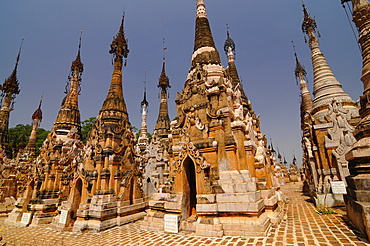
(8, 180)
(9, 90)
(220, 175)
(333, 117)
(106, 190)
(50, 182)
(26, 158)
(308, 161)
(358, 198)
(21, 170)
(155, 164)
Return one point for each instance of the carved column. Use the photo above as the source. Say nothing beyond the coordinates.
(358, 198)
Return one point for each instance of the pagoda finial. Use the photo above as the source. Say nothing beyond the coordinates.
(79, 44)
(11, 84)
(164, 49)
(164, 81)
(299, 71)
(144, 102)
(229, 46)
(38, 113)
(309, 25)
(19, 54)
(119, 46)
(77, 65)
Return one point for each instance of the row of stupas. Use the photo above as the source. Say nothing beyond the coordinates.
(211, 161)
(335, 139)
(327, 122)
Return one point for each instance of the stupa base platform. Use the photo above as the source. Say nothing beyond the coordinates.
(105, 212)
(217, 226)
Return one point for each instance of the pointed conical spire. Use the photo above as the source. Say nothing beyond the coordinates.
(69, 113)
(162, 126)
(31, 145)
(143, 140)
(299, 71)
(229, 48)
(119, 46)
(326, 86)
(11, 84)
(144, 102)
(164, 81)
(119, 49)
(205, 51)
(306, 99)
(38, 113)
(77, 66)
(9, 89)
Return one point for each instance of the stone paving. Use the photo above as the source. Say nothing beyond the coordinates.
(302, 225)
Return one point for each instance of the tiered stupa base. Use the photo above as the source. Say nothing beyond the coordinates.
(358, 202)
(241, 210)
(106, 211)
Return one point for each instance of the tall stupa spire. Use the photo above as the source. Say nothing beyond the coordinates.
(9, 89)
(143, 140)
(111, 133)
(205, 51)
(119, 50)
(69, 113)
(326, 87)
(162, 126)
(229, 48)
(306, 99)
(113, 161)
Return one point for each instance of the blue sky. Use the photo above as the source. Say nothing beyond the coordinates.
(262, 30)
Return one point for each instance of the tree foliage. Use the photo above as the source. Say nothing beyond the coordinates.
(20, 134)
(86, 127)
